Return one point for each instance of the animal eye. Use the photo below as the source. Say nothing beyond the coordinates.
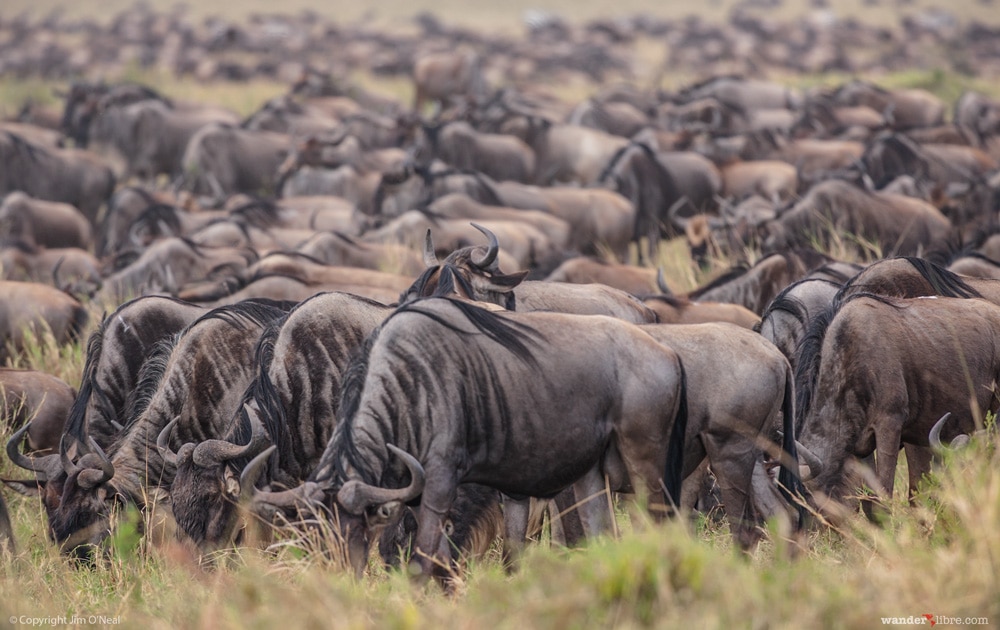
(449, 528)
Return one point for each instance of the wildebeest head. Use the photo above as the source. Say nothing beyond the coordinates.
(50, 478)
(83, 518)
(470, 272)
(207, 486)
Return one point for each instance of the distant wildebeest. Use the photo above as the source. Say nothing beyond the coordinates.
(754, 287)
(170, 264)
(72, 269)
(902, 108)
(150, 136)
(628, 278)
(879, 372)
(672, 309)
(934, 164)
(870, 222)
(198, 377)
(32, 308)
(222, 159)
(440, 77)
(72, 176)
(358, 476)
(337, 248)
(43, 223)
(43, 400)
(499, 156)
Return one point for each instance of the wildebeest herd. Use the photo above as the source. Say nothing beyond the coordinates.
(420, 323)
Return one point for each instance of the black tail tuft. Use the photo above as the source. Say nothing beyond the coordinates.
(674, 472)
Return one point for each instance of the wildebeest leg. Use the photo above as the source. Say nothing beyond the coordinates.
(515, 521)
(691, 489)
(867, 504)
(887, 442)
(437, 499)
(732, 458)
(593, 503)
(918, 464)
(645, 462)
(568, 518)
(768, 503)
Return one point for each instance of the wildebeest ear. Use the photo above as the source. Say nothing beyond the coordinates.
(385, 513)
(510, 280)
(27, 487)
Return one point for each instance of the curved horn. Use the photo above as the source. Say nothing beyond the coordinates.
(250, 474)
(934, 437)
(213, 452)
(64, 458)
(45, 467)
(309, 492)
(813, 463)
(661, 282)
(163, 443)
(356, 496)
(491, 252)
(430, 258)
(95, 467)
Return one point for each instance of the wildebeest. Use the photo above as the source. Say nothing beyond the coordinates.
(171, 263)
(28, 307)
(754, 287)
(834, 209)
(601, 407)
(199, 378)
(879, 372)
(672, 309)
(39, 398)
(442, 76)
(500, 156)
(43, 223)
(300, 360)
(222, 159)
(72, 176)
(70, 269)
(732, 412)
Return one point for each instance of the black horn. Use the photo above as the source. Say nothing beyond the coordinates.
(491, 252)
(163, 442)
(213, 452)
(45, 468)
(430, 257)
(356, 496)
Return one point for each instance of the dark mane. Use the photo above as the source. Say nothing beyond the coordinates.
(78, 412)
(942, 281)
(514, 337)
(810, 352)
(150, 375)
(738, 270)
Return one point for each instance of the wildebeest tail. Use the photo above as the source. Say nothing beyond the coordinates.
(789, 483)
(673, 475)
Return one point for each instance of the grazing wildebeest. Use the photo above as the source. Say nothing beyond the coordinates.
(300, 361)
(39, 398)
(43, 223)
(835, 209)
(37, 309)
(222, 159)
(733, 411)
(199, 377)
(879, 372)
(494, 425)
(70, 269)
(72, 176)
(499, 156)
(754, 287)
